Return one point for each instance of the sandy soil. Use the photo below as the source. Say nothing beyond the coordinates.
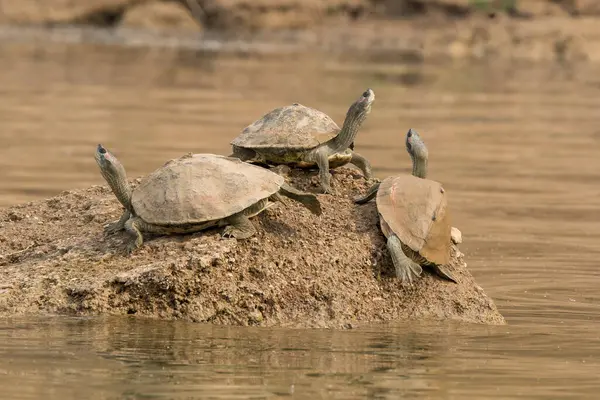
(300, 270)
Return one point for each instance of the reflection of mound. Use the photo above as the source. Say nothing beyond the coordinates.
(300, 270)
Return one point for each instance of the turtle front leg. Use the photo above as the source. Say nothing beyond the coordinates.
(119, 225)
(322, 160)
(406, 269)
(132, 226)
(239, 227)
(362, 163)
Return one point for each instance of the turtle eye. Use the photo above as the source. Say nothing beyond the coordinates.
(366, 94)
(101, 149)
(409, 146)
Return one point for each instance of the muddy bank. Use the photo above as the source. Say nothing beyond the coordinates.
(395, 31)
(300, 270)
(273, 14)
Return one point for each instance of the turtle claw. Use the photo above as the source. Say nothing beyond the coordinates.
(113, 228)
(118, 225)
(230, 233)
(327, 189)
(131, 248)
(406, 278)
(239, 227)
(227, 233)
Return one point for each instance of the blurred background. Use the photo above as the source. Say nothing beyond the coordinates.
(505, 94)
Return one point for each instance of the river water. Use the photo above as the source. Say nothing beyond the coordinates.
(516, 146)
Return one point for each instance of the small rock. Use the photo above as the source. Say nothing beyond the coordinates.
(13, 216)
(255, 317)
(456, 235)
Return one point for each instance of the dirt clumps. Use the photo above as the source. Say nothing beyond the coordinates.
(299, 270)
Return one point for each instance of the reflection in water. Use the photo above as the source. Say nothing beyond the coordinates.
(136, 358)
(515, 145)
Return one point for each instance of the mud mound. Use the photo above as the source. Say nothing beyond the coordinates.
(300, 270)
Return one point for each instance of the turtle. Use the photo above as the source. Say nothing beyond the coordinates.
(196, 192)
(414, 218)
(304, 137)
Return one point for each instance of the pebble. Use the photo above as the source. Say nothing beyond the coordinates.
(456, 235)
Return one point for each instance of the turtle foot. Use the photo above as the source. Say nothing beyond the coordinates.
(131, 247)
(232, 232)
(239, 227)
(118, 225)
(327, 189)
(113, 228)
(406, 269)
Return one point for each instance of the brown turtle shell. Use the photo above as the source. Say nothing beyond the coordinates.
(415, 209)
(201, 187)
(291, 127)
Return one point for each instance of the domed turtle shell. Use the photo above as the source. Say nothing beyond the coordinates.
(291, 127)
(415, 210)
(201, 187)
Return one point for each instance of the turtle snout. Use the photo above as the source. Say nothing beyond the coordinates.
(369, 94)
(409, 139)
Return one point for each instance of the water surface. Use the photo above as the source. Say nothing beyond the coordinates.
(516, 146)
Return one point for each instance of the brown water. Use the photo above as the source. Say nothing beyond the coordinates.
(516, 145)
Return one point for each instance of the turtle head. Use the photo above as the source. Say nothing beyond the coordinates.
(108, 163)
(355, 116)
(114, 173)
(362, 106)
(418, 153)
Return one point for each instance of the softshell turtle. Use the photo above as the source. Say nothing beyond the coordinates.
(303, 137)
(413, 217)
(196, 192)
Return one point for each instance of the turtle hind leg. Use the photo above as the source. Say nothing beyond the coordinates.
(442, 273)
(362, 163)
(371, 193)
(119, 225)
(308, 200)
(406, 269)
(239, 227)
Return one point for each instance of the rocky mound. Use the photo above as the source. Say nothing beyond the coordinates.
(300, 270)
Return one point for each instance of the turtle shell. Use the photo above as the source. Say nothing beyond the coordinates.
(201, 187)
(415, 210)
(291, 127)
